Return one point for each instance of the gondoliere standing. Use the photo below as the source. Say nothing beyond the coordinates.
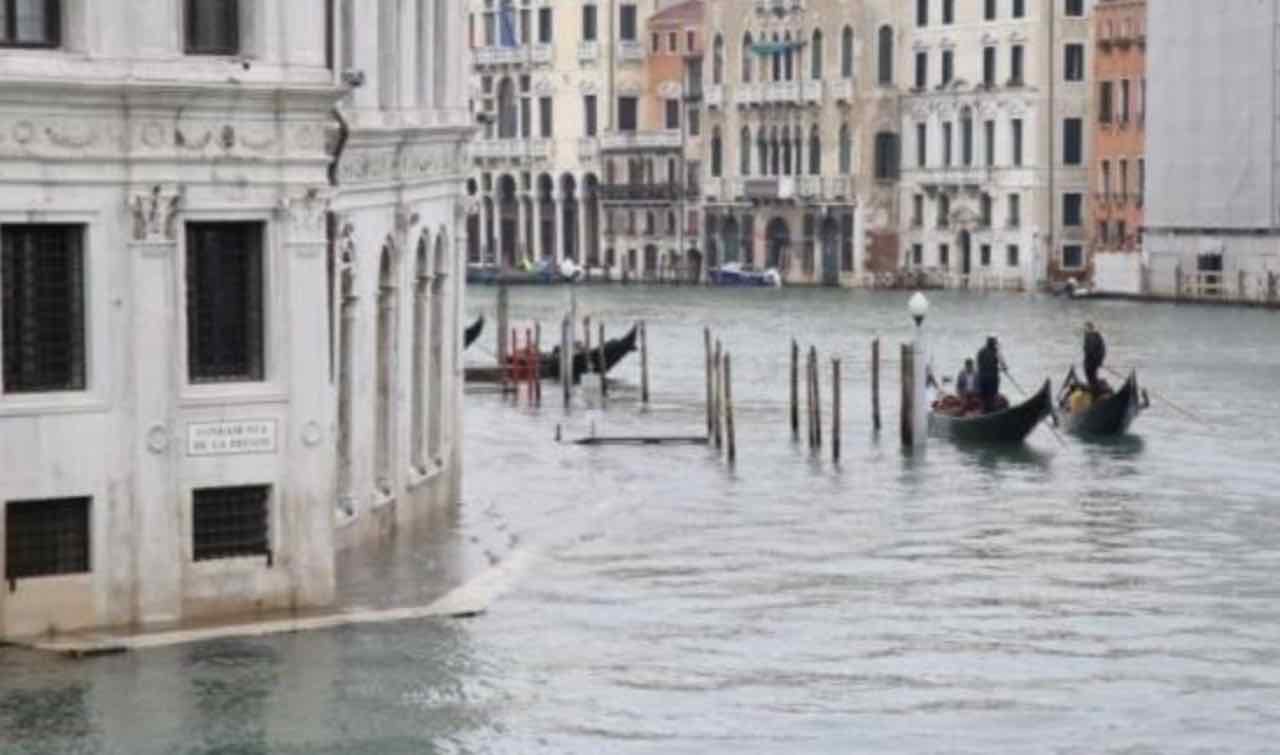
(989, 366)
(1095, 353)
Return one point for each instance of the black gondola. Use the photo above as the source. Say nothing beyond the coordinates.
(473, 332)
(1108, 416)
(1005, 427)
(615, 350)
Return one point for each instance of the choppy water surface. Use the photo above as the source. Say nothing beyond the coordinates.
(1078, 598)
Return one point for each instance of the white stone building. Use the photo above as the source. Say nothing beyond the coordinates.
(996, 140)
(187, 292)
(802, 156)
(1213, 159)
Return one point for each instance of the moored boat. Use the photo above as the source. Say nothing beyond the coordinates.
(615, 350)
(1003, 427)
(733, 275)
(472, 332)
(1108, 415)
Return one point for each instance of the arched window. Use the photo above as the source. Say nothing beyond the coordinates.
(744, 152)
(671, 224)
(846, 151)
(966, 135)
(384, 369)
(508, 115)
(788, 59)
(815, 152)
(777, 59)
(884, 65)
(815, 56)
(746, 58)
(717, 60)
(418, 412)
(775, 153)
(797, 159)
(846, 53)
(439, 325)
(762, 152)
(786, 150)
(717, 153)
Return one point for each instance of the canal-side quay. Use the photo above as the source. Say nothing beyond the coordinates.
(1082, 597)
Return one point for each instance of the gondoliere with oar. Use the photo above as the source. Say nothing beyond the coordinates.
(1090, 407)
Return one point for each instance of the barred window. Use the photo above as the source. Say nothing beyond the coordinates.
(42, 277)
(213, 27)
(225, 302)
(45, 538)
(230, 522)
(30, 23)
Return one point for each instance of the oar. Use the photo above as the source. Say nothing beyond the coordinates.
(1157, 394)
(1052, 429)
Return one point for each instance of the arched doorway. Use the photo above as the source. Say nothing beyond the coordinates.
(384, 368)
(569, 208)
(729, 233)
(591, 197)
(830, 239)
(965, 242)
(778, 237)
(508, 218)
(546, 217)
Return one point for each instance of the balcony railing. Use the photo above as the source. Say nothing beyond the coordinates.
(782, 93)
(811, 92)
(511, 149)
(748, 95)
(837, 187)
(588, 52)
(541, 55)
(588, 148)
(634, 140)
(661, 192)
(772, 187)
(500, 56)
(715, 96)
(630, 51)
(842, 90)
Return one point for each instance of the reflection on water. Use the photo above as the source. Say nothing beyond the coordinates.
(1078, 597)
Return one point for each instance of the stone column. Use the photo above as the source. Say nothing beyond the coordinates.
(156, 381)
(536, 245)
(498, 235)
(304, 544)
(558, 200)
(486, 242)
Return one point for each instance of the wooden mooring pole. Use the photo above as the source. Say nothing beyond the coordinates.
(731, 438)
(504, 322)
(717, 400)
(808, 392)
(586, 337)
(604, 382)
(644, 363)
(875, 384)
(908, 369)
(817, 400)
(795, 390)
(537, 364)
(835, 410)
(706, 341)
(566, 360)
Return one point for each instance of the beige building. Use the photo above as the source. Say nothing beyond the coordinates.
(996, 140)
(801, 165)
(563, 91)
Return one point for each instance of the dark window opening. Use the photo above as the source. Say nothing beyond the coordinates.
(225, 318)
(30, 23)
(213, 27)
(627, 23)
(588, 23)
(42, 277)
(230, 522)
(46, 538)
(887, 156)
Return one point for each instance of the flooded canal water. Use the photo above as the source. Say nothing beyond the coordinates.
(1117, 597)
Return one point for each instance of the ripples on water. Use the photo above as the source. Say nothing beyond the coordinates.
(1113, 597)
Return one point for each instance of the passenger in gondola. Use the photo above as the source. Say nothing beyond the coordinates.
(1095, 353)
(989, 367)
(967, 381)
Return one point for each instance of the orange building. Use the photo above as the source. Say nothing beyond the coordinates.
(1118, 169)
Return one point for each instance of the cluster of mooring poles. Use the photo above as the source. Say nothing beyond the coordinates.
(720, 428)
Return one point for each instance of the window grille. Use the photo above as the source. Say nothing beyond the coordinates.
(42, 279)
(46, 538)
(225, 302)
(30, 23)
(230, 522)
(213, 27)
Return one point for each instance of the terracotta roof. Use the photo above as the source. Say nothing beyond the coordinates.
(681, 13)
